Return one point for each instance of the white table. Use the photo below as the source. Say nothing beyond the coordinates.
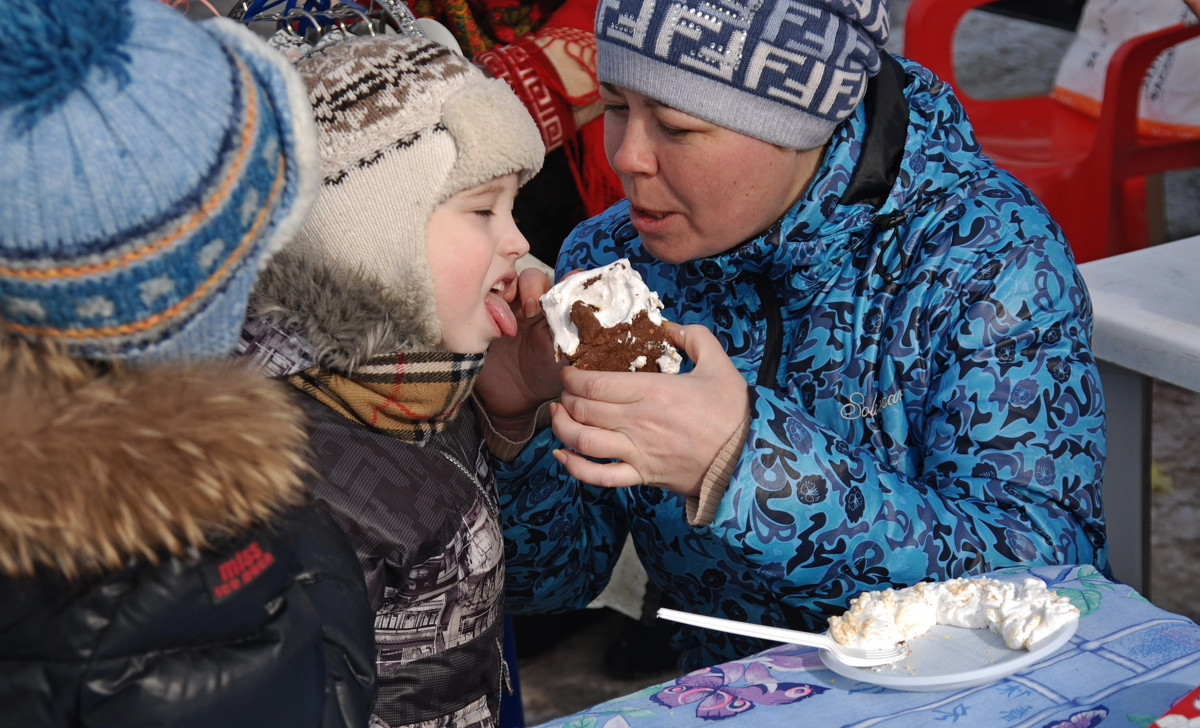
(1147, 313)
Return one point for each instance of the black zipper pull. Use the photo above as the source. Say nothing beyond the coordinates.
(889, 220)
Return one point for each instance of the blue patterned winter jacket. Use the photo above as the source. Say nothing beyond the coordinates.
(923, 397)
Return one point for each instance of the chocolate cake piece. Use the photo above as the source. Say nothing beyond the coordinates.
(622, 347)
(608, 320)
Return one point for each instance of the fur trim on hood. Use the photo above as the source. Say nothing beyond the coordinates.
(100, 467)
(347, 317)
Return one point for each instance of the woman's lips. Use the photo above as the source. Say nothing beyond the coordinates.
(649, 221)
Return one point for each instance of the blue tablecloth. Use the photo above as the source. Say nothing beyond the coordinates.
(1125, 666)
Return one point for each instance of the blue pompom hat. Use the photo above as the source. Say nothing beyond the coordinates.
(151, 165)
(783, 71)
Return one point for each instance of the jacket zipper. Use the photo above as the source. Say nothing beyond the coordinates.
(506, 683)
(768, 370)
(493, 508)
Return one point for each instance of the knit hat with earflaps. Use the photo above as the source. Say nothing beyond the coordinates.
(404, 124)
(783, 71)
(151, 164)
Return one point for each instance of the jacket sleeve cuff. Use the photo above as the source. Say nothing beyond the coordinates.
(506, 437)
(701, 509)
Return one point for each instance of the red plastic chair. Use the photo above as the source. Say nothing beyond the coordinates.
(1090, 173)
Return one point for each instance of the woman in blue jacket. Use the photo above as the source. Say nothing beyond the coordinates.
(891, 377)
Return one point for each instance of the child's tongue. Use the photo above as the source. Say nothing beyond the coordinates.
(501, 313)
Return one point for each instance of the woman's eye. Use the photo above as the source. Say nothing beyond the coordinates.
(615, 108)
(674, 131)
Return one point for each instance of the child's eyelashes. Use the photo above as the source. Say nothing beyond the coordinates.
(487, 213)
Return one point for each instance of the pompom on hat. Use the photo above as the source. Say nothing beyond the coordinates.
(783, 71)
(403, 124)
(151, 165)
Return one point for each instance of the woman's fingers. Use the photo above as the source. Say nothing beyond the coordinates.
(665, 429)
(606, 475)
(583, 443)
(586, 439)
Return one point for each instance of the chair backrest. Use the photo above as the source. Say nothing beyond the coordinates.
(929, 36)
(1119, 153)
(1117, 156)
(1136, 155)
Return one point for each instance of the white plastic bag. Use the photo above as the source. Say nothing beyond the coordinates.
(1170, 98)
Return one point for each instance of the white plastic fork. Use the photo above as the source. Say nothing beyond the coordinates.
(852, 656)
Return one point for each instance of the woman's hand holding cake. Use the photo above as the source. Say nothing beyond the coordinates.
(663, 429)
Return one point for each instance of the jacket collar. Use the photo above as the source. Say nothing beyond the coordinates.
(345, 316)
(102, 467)
(885, 110)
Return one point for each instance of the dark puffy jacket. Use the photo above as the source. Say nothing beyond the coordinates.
(161, 563)
(924, 401)
(425, 524)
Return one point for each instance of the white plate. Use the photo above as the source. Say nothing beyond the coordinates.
(952, 658)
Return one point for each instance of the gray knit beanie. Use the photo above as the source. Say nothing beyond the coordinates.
(786, 72)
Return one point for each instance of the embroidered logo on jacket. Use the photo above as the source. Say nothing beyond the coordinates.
(859, 408)
(236, 572)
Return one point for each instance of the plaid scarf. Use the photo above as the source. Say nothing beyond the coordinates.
(410, 396)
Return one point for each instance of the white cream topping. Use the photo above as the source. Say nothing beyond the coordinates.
(669, 362)
(1023, 614)
(617, 293)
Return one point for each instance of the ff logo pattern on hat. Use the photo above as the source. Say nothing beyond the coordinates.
(785, 72)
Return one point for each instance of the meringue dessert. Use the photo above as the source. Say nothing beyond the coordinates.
(607, 319)
(1023, 614)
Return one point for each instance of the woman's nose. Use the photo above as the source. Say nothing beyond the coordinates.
(633, 153)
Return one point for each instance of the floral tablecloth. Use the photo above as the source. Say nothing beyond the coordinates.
(1127, 663)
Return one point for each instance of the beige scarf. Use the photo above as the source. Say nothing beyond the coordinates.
(410, 396)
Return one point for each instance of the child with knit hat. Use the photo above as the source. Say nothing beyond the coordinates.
(380, 313)
(161, 562)
(891, 376)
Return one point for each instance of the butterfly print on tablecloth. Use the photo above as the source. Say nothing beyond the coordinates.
(1082, 719)
(715, 699)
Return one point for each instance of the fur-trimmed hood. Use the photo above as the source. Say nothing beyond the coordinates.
(346, 316)
(98, 468)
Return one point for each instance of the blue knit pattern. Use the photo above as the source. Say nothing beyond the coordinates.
(784, 71)
(50, 48)
(152, 281)
(141, 196)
